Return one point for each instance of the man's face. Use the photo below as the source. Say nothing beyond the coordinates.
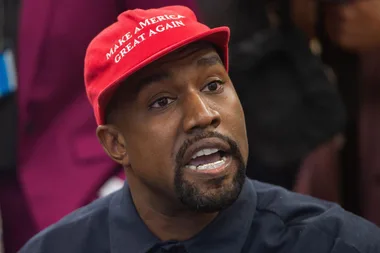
(184, 130)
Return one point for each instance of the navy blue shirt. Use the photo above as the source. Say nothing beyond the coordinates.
(264, 218)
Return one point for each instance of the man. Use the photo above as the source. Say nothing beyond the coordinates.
(168, 112)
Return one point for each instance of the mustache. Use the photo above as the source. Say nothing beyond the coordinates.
(234, 149)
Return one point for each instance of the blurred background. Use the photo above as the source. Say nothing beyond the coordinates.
(307, 73)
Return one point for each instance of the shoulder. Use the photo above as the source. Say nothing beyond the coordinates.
(290, 207)
(71, 232)
(313, 221)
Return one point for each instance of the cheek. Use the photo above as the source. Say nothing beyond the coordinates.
(150, 150)
(233, 120)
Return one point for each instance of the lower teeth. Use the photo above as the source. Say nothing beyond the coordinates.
(208, 166)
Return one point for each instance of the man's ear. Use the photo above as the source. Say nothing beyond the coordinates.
(113, 143)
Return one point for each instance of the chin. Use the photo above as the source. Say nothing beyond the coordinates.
(213, 194)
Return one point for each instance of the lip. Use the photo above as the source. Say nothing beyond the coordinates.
(206, 143)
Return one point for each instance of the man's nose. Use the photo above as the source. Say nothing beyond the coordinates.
(198, 114)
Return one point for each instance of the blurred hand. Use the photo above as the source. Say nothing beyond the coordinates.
(354, 26)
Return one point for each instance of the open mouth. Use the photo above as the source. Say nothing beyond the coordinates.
(207, 159)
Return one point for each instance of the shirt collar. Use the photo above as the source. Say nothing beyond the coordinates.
(226, 234)
(127, 230)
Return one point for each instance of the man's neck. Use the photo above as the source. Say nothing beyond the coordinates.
(178, 225)
(177, 228)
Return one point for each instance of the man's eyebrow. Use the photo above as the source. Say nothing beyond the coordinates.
(208, 61)
(150, 79)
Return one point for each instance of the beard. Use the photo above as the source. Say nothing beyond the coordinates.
(194, 197)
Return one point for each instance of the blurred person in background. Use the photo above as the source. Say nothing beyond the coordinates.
(50, 160)
(349, 37)
(355, 27)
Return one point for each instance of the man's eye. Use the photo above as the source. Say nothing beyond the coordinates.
(213, 86)
(161, 102)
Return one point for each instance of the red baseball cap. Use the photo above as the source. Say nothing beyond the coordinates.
(138, 38)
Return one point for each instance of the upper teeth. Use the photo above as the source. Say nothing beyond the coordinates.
(206, 151)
